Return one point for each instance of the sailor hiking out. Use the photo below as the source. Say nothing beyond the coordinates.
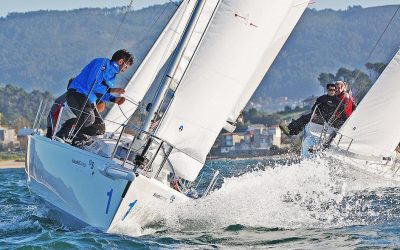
(327, 108)
(93, 85)
(67, 114)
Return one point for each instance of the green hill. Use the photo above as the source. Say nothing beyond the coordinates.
(43, 49)
(324, 41)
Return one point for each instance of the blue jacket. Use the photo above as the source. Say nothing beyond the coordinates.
(101, 72)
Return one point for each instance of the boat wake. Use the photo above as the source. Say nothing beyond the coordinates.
(316, 193)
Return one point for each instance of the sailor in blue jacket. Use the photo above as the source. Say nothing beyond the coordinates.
(94, 84)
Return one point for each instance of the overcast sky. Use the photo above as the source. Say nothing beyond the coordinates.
(32, 5)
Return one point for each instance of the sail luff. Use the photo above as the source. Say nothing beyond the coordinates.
(372, 129)
(145, 75)
(168, 78)
(226, 62)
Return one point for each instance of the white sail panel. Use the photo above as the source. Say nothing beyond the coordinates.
(199, 29)
(372, 129)
(226, 61)
(143, 78)
(286, 27)
(183, 165)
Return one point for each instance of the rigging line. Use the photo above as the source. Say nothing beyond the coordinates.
(100, 116)
(377, 42)
(380, 37)
(123, 113)
(154, 23)
(148, 32)
(168, 62)
(120, 125)
(189, 63)
(174, 3)
(332, 118)
(129, 99)
(71, 132)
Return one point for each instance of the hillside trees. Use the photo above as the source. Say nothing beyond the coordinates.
(43, 49)
(375, 69)
(19, 107)
(358, 81)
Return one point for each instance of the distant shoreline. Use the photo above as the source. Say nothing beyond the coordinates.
(12, 164)
(21, 164)
(265, 157)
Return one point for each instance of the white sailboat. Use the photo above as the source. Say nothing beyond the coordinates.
(370, 136)
(314, 138)
(120, 179)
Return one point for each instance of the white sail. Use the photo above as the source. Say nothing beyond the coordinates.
(143, 78)
(372, 129)
(275, 46)
(199, 29)
(227, 60)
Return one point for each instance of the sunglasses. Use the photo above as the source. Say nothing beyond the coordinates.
(331, 89)
(126, 65)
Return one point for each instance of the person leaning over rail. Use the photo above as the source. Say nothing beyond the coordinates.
(325, 107)
(95, 82)
(54, 112)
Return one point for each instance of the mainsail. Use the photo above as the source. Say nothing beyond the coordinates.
(372, 128)
(235, 52)
(144, 76)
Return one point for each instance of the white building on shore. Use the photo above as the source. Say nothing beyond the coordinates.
(257, 137)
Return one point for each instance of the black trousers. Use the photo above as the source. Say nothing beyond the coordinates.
(296, 126)
(89, 123)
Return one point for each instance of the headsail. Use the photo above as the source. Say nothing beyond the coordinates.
(143, 78)
(241, 36)
(372, 129)
(275, 46)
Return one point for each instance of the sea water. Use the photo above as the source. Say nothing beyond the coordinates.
(257, 204)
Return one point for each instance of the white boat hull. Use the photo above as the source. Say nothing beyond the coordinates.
(378, 169)
(314, 135)
(78, 183)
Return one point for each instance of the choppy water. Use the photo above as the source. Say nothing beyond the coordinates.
(314, 204)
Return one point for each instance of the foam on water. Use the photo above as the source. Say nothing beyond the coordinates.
(316, 193)
(315, 204)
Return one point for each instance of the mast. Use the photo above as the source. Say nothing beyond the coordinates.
(148, 70)
(174, 64)
(237, 46)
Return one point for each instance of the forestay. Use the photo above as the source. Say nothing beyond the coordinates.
(240, 37)
(372, 129)
(143, 78)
